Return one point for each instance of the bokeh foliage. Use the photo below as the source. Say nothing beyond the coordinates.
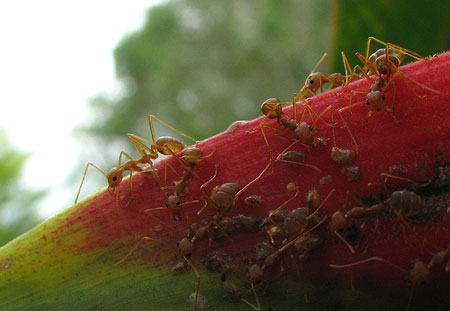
(201, 65)
(16, 202)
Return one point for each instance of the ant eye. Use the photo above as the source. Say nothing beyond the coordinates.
(367, 101)
(114, 178)
(311, 81)
(382, 96)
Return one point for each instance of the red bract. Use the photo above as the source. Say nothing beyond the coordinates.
(413, 142)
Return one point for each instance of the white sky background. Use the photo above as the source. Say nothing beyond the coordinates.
(54, 56)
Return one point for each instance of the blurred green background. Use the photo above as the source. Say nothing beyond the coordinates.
(202, 64)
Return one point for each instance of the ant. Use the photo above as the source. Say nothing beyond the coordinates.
(115, 175)
(383, 62)
(418, 274)
(316, 80)
(342, 156)
(148, 152)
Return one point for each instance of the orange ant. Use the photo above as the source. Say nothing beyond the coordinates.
(272, 108)
(383, 62)
(115, 175)
(316, 80)
(148, 152)
(418, 274)
(342, 156)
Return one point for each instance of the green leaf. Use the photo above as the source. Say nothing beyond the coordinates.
(417, 25)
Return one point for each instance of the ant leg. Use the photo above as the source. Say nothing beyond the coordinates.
(147, 211)
(258, 306)
(141, 144)
(207, 197)
(348, 128)
(84, 176)
(379, 259)
(197, 274)
(252, 182)
(397, 47)
(123, 153)
(319, 117)
(285, 203)
(352, 250)
(150, 122)
(368, 66)
(261, 127)
(398, 72)
(145, 238)
(305, 85)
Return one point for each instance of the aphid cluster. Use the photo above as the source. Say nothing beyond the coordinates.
(292, 232)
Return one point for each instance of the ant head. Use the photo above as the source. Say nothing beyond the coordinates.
(186, 247)
(304, 133)
(255, 274)
(173, 203)
(338, 222)
(114, 176)
(419, 273)
(375, 100)
(315, 81)
(271, 108)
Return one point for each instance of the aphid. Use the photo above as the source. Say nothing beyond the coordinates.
(406, 203)
(235, 125)
(313, 200)
(305, 244)
(230, 288)
(198, 302)
(218, 262)
(351, 173)
(253, 200)
(179, 267)
(325, 180)
(342, 156)
(222, 197)
(294, 157)
(273, 258)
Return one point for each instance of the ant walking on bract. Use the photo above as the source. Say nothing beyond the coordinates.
(148, 152)
(384, 64)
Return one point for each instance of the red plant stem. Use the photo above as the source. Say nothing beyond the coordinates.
(416, 138)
